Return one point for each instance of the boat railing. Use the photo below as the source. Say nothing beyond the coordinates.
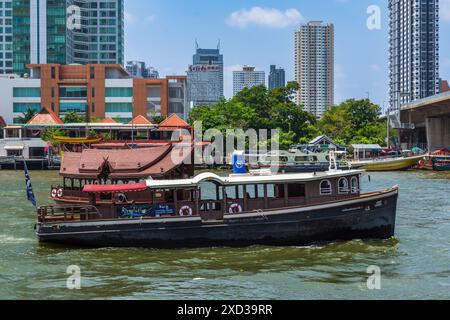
(48, 214)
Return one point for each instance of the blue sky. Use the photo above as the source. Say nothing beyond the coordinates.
(261, 32)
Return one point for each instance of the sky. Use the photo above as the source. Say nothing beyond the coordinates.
(261, 32)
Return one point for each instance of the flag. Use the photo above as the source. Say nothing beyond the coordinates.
(30, 193)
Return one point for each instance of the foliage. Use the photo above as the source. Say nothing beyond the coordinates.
(26, 116)
(354, 122)
(73, 117)
(259, 108)
(158, 119)
(50, 134)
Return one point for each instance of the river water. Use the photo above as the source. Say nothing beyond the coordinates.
(414, 265)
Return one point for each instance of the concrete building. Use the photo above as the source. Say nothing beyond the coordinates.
(277, 77)
(205, 77)
(139, 69)
(102, 91)
(314, 66)
(414, 51)
(248, 77)
(65, 31)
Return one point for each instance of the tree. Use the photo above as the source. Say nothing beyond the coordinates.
(27, 116)
(73, 117)
(158, 119)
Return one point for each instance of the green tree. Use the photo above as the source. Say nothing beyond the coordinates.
(158, 119)
(27, 116)
(73, 117)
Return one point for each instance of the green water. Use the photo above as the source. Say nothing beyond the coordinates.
(415, 265)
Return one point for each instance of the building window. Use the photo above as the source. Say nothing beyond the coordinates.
(325, 188)
(24, 107)
(119, 92)
(119, 107)
(27, 92)
(72, 107)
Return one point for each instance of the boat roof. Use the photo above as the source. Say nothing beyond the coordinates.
(233, 180)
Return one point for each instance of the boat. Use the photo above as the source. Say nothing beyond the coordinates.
(438, 160)
(299, 160)
(387, 164)
(81, 140)
(209, 210)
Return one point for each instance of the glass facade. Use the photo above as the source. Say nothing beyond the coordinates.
(21, 35)
(27, 92)
(119, 92)
(78, 107)
(5, 36)
(56, 31)
(119, 107)
(23, 107)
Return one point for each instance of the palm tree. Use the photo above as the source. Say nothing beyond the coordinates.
(27, 116)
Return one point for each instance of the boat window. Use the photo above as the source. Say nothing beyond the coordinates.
(296, 190)
(355, 185)
(270, 191)
(279, 191)
(284, 159)
(301, 159)
(343, 185)
(325, 188)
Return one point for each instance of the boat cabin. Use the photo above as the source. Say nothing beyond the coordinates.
(211, 197)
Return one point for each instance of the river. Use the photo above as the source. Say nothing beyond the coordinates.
(414, 265)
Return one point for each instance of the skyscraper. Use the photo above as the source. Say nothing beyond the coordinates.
(62, 31)
(247, 78)
(138, 69)
(414, 50)
(314, 66)
(205, 77)
(6, 38)
(277, 77)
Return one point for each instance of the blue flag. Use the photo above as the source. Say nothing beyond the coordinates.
(30, 193)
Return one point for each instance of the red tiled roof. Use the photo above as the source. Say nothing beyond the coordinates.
(45, 116)
(174, 121)
(2, 122)
(140, 120)
(120, 164)
(109, 120)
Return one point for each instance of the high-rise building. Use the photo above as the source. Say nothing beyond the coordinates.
(139, 69)
(314, 66)
(205, 77)
(277, 77)
(248, 77)
(414, 50)
(6, 36)
(61, 32)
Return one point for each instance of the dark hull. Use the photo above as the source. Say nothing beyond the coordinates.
(367, 218)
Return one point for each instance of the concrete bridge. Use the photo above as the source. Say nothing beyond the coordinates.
(430, 118)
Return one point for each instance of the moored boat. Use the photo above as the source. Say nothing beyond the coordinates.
(438, 160)
(387, 164)
(237, 210)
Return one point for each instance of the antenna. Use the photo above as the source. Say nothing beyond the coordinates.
(196, 44)
(218, 45)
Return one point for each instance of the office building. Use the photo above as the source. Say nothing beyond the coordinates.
(139, 69)
(6, 51)
(61, 32)
(277, 77)
(101, 91)
(205, 77)
(414, 50)
(248, 77)
(314, 66)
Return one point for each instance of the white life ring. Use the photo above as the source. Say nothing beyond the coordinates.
(54, 193)
(186, 211)
(60, 193)
(235, 208)
(122, 198)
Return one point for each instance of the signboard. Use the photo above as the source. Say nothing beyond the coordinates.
(142, 211)
(203, 68)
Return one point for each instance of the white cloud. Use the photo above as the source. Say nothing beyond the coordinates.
(445, 10)
(266, 17)
(132, 19)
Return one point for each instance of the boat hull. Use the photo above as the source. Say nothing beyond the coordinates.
(371, 217)
(386, 165)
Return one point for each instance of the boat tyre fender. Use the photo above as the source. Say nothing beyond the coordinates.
(185, 211)
(54, 193)
(122, 198)
(235, 208)
(60, 193)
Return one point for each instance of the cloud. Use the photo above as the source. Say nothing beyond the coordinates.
(129, 18)
(265, 17)
(445, 10)
(132, 19)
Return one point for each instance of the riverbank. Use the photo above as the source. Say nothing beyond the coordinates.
(415, 265)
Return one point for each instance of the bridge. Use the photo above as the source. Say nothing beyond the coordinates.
(429, 122)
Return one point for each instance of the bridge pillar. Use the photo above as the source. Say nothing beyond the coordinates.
(438, 132)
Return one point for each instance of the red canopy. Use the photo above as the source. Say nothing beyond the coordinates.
(115, 188)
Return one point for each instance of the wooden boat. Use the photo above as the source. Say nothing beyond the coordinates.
(238, 210)
(438, 160)
(68, 140)
(388, 164)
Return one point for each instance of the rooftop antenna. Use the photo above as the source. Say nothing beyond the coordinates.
(218, 45)
(196, 44)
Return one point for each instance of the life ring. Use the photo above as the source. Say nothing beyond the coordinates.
(186, 211)
(235, 208)
(122, 198)
(60, 193)
(54, 193)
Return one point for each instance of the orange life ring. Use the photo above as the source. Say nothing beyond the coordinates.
(235, 208)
